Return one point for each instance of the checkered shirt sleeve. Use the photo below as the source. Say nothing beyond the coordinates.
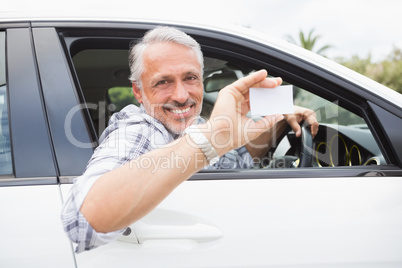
(130, 134)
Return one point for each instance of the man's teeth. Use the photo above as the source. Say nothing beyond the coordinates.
(181, 111)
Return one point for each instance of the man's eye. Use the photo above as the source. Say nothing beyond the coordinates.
(162, 82)
(191, 78)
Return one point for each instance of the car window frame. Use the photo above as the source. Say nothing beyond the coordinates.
(294, 70)
(71, 140)
(33, 161)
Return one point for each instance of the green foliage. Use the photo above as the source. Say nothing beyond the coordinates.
(391, 75)
(121, 97)
(309, 42)
(387, 72)
(357, 64)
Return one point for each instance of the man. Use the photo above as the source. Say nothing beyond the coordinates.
(124, 179)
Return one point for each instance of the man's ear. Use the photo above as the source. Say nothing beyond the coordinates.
(137, 92)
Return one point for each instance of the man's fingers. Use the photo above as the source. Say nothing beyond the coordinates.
(310, 117)
(270, 82)
(243, 84)
(294, 124)
(256, 79)
(269, 121)
(303, 114)
(312, 121)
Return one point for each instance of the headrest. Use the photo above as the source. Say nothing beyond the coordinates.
(218, 81)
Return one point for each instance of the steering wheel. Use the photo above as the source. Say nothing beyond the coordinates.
(306, 152)
(305, 157)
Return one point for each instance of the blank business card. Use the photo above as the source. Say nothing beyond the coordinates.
(269, 101)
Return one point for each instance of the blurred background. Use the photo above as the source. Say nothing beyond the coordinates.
(363, 35)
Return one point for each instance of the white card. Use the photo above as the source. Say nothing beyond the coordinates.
(269, 101)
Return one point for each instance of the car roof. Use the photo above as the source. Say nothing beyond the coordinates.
(243, 32)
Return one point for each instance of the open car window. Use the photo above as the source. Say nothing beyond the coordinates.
(344, 138)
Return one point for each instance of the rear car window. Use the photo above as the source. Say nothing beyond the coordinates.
(120, 97)
(5, 150)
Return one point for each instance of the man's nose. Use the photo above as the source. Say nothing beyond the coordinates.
(180, 93)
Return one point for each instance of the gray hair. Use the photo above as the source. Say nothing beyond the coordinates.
(159, 35)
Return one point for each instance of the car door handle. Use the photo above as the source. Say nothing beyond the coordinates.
(198, 232)
(171, 225)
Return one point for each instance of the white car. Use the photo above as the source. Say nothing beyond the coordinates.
(334, 200)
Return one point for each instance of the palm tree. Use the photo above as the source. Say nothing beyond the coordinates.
(309, 42)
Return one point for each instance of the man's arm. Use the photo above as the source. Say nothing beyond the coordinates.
(127, 193)
(124, 195)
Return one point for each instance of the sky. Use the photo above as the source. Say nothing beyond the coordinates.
(351, 27)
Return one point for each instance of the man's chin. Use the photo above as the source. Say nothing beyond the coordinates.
(177, 128)
(175, 131)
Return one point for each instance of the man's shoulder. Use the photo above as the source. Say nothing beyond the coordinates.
(132, 119)
(129, 118)
(129, 112)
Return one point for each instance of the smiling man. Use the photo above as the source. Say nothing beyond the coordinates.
(171, 88)
(125, 178)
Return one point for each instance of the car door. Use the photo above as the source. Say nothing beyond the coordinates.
(30, 200)
(329, 213)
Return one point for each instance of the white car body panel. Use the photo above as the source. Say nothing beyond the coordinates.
(31, 232)
(292, 222)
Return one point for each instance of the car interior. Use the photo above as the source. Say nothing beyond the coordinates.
(344, 138)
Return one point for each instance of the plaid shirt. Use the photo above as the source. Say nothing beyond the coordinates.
(130, 134)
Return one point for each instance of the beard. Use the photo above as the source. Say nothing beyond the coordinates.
(176, 126)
